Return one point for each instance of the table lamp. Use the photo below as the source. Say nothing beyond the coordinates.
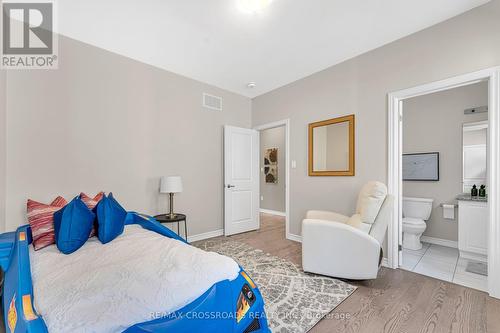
(171, 185)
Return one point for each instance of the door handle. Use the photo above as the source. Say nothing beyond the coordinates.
(230, 186)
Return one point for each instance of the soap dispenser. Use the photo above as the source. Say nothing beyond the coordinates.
(482, 191)
(473, 192)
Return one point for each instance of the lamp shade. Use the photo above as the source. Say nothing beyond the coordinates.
(171, 184)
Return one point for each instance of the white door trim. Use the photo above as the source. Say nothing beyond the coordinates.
(492, 75)
(286, 123)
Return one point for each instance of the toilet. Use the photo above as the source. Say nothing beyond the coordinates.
(415, 212)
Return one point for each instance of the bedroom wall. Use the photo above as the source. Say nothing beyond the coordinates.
(441, 116)
(273, 195)
(360, 86)
(106, 122)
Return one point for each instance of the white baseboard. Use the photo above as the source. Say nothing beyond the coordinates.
(474, 256)
(385, 263)
(206, 235)
(439, 241)
(295, 238)
(272, 212)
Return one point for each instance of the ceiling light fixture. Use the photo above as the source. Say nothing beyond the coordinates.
(251, 85)
(253, 6)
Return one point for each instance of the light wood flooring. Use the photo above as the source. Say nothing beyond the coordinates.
(397, 301)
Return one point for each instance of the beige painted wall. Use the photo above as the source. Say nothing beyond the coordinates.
(106, 122)
(433, 123)
(360, 86)
(273, 194)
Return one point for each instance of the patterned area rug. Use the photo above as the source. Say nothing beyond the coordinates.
(295, 301)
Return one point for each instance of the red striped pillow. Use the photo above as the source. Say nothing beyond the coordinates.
(41, 220)
(91, 203)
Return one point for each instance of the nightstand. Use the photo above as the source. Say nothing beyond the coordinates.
(165, 218)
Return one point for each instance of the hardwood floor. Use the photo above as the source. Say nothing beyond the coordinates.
(397, 301)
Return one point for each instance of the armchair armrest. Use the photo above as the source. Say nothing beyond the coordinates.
(338, 250)
(327, 216)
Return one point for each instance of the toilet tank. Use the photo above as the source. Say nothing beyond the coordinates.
(419, 208)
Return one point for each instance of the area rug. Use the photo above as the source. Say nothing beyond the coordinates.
(294, 301)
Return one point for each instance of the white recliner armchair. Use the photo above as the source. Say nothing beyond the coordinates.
(348, 247)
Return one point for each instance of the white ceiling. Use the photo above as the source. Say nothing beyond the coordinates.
(214, 42)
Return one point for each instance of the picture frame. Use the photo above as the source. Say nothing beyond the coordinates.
(421, 166)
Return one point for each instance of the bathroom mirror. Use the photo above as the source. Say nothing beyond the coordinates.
(474, 147)
(331, 147)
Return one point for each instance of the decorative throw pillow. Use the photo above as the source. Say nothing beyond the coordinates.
(41, 220)
(72, 226)
(110, 219)
(91, 204)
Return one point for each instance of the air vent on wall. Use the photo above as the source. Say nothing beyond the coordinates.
(212, 102)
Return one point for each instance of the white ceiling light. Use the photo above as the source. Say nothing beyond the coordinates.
(253, 6)
(251, 85)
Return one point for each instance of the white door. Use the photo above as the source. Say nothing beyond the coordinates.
(241, 180)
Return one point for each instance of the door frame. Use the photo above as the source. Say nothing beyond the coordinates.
(279, 123)
(395, 108)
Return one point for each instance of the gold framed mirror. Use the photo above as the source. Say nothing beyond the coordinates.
(331, 147)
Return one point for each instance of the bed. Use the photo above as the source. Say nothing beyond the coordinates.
(147, 280)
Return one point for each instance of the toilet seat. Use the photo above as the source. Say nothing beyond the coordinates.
(413, 221)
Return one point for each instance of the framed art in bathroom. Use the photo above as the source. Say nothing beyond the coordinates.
(421, 167)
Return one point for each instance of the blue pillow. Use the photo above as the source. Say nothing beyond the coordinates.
(72, 226)
(110, 219)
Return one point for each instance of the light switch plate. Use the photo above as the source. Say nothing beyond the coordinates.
(294, 164)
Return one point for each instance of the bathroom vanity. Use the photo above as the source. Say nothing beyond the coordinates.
(473, 226)
(473, 213)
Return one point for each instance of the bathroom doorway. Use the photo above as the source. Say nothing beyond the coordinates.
(274, 194)
(434, 164)
(441, 169)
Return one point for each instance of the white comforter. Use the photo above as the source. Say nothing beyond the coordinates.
(107, 288)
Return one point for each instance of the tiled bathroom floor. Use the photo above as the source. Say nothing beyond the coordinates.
(442, 263)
